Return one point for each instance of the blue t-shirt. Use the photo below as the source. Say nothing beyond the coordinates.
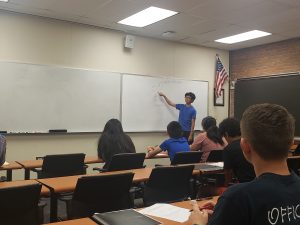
(186, 114)
(173, 145)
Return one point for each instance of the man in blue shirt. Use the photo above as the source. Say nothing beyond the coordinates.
(176, 143)
(187, 114)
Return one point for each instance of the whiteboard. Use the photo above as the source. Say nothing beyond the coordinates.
(144, 110)
(37, 98)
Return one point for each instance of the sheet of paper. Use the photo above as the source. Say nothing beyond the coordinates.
(167, 211)
(219, 164)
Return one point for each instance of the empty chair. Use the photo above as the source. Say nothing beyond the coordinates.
(125, 161)
(215, 156)
(101, 194)
(19, 205)
(297, 150)
(62, 165)
(186, 157)
(294, 164)
(168, 184)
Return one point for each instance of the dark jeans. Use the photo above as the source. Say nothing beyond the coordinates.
(186, 134)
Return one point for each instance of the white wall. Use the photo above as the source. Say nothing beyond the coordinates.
(52, 42)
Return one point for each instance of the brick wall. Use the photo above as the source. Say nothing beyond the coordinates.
(274, 58)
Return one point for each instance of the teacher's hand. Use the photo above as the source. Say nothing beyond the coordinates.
(161, 94)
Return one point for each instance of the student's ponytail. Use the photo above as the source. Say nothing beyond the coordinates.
(214, 135)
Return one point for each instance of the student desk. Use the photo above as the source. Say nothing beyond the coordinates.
(11, 166)
(184, 204)
(32, 164)
(294, 157)
(44, 191)
(59, 185)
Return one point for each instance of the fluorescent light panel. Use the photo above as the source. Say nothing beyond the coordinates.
(243, 37)
(3, 0)
(147, 16)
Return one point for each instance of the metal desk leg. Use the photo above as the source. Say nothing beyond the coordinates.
(53, 206)
(9, 175)
(27, 174)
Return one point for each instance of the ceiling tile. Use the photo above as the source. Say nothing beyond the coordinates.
(199, 22)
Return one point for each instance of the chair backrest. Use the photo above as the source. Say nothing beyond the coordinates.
(297, 150)
(101, 194)
(168, 184)
(126, 161)
(63, 165)
(19, 205)
(215, 156)
(294, 165)
(187, 157)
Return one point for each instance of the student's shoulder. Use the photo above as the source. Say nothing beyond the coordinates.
(179, 105)
(167, 141)
(238, 190)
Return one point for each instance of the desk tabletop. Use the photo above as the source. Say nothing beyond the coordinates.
(11, 166)
(83, 221)
(31, 164)
(294, 157)
(45, 191)
(67, 184)
(185, 204)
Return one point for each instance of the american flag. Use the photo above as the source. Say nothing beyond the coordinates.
(221, 76)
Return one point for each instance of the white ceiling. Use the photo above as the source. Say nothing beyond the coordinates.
(199, 22)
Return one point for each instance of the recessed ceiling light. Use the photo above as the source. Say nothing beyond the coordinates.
(3, 0)
(243, 37)
(147, 16)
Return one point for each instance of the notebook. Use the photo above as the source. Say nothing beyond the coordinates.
(122, 217)
(207, 167)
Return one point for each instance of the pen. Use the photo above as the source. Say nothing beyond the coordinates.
(206, 206)
(205, 198)
(192, 202)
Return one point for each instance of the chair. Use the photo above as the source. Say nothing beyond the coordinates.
(294, 165)
(125, 161)
(19, 205)
(62, 165)
(297, 150)
(215, 156)
(168, 184)
(187, 157)
(101, 194)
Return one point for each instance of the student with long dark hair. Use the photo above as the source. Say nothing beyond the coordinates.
(113, 141)
(209, 140)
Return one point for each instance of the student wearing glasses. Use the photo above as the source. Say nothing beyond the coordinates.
(187, 114)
